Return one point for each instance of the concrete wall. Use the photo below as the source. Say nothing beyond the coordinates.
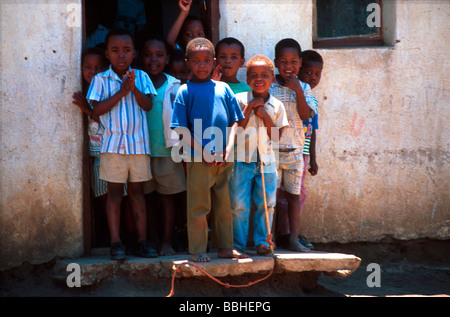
(41, 133)
(383, 143)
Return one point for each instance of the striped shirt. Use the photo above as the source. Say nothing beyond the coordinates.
(293, 136)
(125, 125)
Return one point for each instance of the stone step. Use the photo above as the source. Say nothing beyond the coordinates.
(98, 267)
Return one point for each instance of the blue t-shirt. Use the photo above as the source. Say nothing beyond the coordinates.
(207, 110)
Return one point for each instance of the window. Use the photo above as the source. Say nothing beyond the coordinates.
(348, 23)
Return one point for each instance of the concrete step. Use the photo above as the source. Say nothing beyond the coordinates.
(98, 266)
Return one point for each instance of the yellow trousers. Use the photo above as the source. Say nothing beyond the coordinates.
(208, 191)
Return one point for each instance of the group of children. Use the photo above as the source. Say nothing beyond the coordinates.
(240, 142)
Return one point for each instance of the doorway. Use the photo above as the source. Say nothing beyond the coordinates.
(144, 18)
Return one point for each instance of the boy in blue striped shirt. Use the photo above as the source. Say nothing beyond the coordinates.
(121, 96)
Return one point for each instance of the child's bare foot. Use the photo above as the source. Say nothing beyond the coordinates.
(295, 245)
(166, 249)
(200, 257)
(231, 254)
(262, 249)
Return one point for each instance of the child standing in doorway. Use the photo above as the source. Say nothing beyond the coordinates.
(120, 96)
(207, 109)
(168, 176)
(93, 61)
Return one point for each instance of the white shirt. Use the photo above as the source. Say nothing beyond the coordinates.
(253, 140)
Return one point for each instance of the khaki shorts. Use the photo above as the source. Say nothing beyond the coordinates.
(290, 171)
(123, 168)
(168, 177)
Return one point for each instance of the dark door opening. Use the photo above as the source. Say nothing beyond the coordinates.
(145, 18)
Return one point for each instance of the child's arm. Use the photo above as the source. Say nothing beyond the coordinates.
(101, 107)
(144, 101)
(230, 146)
(304, 111)
(80, 100)
(174, 31)
(314, 168)
(261, 113)
(254, 103)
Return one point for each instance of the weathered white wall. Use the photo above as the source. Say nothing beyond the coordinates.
(260, 24)
(383, 143)
(41, 133)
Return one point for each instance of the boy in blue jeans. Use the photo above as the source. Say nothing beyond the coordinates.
(204, 111)
(265, 118)
(121, 96)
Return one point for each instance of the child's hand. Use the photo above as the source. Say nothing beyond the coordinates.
(217, 75)
(292, 82)
(81, 102)
(128, 81)
(260, 112)
(224, 159)
(185, 5)
(314, 168)
(210, 159)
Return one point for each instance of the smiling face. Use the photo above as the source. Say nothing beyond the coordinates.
(201, 62)
(288, 62)
(230, 59)
(259, 77)
(154, 57)
(120, 52)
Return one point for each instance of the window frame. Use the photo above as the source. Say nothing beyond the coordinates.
(348, 41)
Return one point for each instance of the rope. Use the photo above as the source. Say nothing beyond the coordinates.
(227, 285)
(269, 235)
(268, 240)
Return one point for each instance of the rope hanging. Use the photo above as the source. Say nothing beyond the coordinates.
(227, 285)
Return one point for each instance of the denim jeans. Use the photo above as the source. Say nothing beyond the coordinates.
(245, 185)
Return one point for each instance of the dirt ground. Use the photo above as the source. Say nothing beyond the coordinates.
(408, 268)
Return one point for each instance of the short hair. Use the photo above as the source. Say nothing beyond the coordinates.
(260, 58)
(230, 41)
(312, 56)
(188, 19)
(177, 55)
(287, 43)
(157, 38)
(118, 32)
(94, 51)
(199, 42)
